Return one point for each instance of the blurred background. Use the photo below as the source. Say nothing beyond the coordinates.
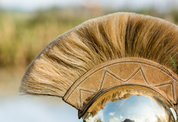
(26, 27)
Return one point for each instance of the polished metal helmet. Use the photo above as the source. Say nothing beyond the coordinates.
(117, 68)
(131, 90)
(141, 106)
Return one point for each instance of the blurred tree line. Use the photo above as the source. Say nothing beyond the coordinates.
(24, 34)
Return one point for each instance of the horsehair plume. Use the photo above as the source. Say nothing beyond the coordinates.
(115, 36)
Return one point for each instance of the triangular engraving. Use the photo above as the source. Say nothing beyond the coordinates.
(167, 89)
(110, 80)
(123, 70)
(138, 77)
(96, 81)
(155, 75)
(84, 96)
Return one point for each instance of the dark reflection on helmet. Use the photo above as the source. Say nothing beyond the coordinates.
(128, 120)
(134, 109)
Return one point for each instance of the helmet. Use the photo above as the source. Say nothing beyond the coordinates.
(117, 68)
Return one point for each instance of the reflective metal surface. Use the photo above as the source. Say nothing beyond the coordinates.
(134, 109)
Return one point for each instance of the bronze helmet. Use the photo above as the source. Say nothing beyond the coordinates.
(116, 68)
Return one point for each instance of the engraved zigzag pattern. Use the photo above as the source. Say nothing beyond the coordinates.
(124, 81)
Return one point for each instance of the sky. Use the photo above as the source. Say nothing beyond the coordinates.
(34, 109)
(31, 5)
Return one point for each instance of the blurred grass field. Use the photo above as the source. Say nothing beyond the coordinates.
(24, 34)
